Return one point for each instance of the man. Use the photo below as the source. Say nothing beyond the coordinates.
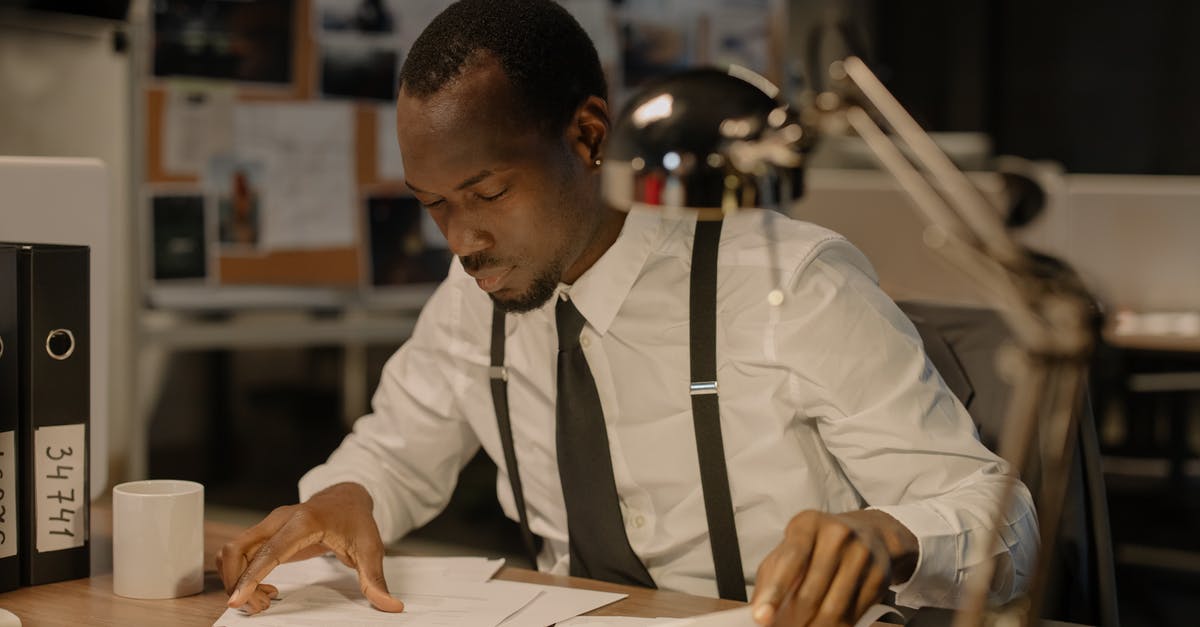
(828, 404)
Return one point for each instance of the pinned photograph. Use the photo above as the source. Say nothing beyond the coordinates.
(406, 247)
(180, 245)
(358, 70)
(364, 16)
(240, 40)
(237, 186)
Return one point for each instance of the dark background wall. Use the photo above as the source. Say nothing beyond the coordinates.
(1103, 86)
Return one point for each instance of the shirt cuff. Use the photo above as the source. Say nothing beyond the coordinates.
(324, 476)
(935, 578)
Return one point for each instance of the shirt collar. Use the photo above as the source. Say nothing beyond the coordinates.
(602, 289)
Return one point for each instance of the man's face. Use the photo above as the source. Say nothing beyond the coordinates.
(517, 207)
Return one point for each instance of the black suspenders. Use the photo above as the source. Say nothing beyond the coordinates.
(714, 479)
(706, 414)
(499, 376)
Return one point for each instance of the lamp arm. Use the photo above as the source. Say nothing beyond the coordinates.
(1050, 317)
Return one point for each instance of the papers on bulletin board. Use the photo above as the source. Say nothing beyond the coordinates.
(197, 125)
(452, 591)
(306, 185)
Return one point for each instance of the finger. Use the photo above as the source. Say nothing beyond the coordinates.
(843, 589)
(826, 556)
(237, 563)
(873, 586)
(271, 591)
(783, 568)
(233, 557)
(369, 565)
(256, 603)
(231, 562)
(293, 537)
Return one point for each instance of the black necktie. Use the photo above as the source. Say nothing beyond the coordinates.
(596, 531)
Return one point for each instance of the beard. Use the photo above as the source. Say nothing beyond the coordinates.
(540, 290)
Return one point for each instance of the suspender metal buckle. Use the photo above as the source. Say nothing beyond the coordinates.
(703, 387)
(498, 373)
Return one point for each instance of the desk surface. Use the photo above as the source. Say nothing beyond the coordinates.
(92, 602)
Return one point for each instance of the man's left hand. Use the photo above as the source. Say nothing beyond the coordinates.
(830, 568)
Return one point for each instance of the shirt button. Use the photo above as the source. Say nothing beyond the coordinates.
(639, 521)
(585, 341)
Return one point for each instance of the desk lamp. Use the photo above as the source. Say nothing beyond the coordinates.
(714, 142)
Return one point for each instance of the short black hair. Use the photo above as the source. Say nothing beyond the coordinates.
(548, 57)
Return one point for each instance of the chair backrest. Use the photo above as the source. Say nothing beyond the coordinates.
(961, 343)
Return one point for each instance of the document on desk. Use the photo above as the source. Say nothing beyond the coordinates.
(613, 621)
(554, 604)
(436, 592)
(739, 617)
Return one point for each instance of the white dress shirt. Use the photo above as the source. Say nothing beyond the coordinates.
(827, 402)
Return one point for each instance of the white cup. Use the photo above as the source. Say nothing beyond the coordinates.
(158, 539)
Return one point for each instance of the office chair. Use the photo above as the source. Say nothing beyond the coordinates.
(962, 342)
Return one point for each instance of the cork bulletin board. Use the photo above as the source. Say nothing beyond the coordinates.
(247, 126)
(269, 134)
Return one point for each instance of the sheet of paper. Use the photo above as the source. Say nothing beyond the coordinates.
(306, 152)
(396, 569)
(388, 164)
(613, 621)
(197, 125)
(553, 603)
(741, 617)
(438, 603)
(435, 590)
(476, 569)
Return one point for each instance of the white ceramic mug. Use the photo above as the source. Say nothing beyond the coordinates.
(158, 539)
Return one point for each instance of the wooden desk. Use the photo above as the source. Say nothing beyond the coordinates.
(92, 602)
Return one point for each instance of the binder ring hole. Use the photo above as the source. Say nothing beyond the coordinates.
(60, 344)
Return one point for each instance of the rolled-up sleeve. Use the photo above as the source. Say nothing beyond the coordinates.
(902, 439)
(409, 450)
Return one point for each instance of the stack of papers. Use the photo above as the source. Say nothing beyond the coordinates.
(450, 592)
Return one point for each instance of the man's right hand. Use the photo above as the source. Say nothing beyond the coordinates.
(336, 519)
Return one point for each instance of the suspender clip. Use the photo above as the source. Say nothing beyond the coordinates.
(703, 387)
(498, 373)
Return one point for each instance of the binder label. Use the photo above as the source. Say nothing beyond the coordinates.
(62, 504)
(8, 494)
